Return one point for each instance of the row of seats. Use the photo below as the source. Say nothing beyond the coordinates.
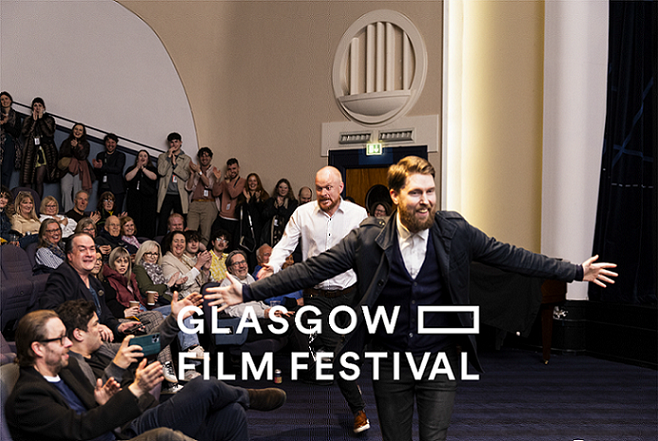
(19, 288)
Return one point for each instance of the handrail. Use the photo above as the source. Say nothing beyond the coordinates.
(93, 128)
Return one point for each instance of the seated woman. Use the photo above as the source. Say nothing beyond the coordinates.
(128, 231)
(50, 253)
(148, 271)
(6, 211)
(219, 241)
(49, 209)
(150, 277)
(277, 211)
(178, 260)
(25, 221)
(123, 298)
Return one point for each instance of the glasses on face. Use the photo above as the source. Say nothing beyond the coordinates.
(54, 231)
(242, 262)
(108, 200)
(151, 254)
(49, 340)
(51, 205)
(89, 229)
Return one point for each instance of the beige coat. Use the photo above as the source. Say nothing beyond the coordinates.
(182, 171)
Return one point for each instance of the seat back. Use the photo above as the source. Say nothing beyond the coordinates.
(8, 378)
(16, 287)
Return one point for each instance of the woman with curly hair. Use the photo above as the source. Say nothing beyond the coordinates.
(40, 154)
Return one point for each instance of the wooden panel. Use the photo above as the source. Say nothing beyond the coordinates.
(359, 180)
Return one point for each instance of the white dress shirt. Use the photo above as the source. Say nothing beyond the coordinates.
(318, 232)
(413, 247)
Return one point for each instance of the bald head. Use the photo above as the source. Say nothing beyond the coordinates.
(113, 226)
(328, 186)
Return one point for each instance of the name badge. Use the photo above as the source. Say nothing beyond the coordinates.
(205, 193)
(173, 179)
(138, 182)
(37, 141)
(105, 178)
(228, 206)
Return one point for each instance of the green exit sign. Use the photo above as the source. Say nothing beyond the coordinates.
(374, 148)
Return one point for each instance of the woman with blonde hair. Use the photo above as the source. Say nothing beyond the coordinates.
(148, 271)
(25, 221)
(49, 210)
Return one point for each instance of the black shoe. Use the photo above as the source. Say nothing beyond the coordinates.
(266, 399)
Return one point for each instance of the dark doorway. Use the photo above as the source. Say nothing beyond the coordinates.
(361, 172)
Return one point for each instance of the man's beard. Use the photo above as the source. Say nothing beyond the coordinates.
(333, 204)
(413, 224)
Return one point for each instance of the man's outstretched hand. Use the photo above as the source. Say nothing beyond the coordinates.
(598, 272)
(226, 296)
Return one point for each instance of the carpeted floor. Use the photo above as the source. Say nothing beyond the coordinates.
(517, 398)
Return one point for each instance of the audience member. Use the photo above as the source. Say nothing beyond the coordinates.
(175, 261)
(52, 399)
(50, 253)
(148, 271)
(141, 200)
(228, 189)
(74, 165)
(263, 256)
(10, 133)
(305, 195)
(49, 209)
(73, 280)
(80, 205)
(107, 207)
(250, 206)
(128, 232)
(203, 205)
(111, 235)
(174, 171)
(150, 277)
(25, 221)
(125, 301)
(277, 211)
(175, 222)
(87, 226)
(219, 242)
(6, 212)
(108, 166)
(40, 153)
(380, 209)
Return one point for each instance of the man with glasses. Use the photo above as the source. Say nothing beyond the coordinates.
(54, 398)
(72, 280)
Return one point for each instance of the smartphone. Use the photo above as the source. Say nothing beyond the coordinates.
(150, 343)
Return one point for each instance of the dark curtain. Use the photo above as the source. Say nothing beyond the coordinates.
(626, 213)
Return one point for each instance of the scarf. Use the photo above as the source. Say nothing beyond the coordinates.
(81, 168)
(155, 273)
(120, 285)
(57, 251)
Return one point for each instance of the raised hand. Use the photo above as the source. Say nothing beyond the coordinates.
(103, 392)
(597, 272)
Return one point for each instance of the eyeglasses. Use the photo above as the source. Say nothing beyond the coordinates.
(153, 254)
(108, 200)
(60, 339)
(58, 230)
(242, 262)
(89, 229)
(51, 205)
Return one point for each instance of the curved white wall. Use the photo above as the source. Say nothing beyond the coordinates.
(76, 54)
(575, 77)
